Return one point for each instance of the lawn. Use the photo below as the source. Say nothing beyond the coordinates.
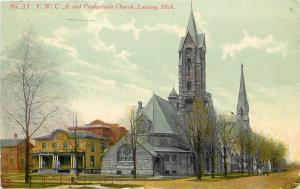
(284, 180)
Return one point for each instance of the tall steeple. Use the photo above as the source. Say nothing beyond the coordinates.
(242, 106)
(191, 27)
(191, 67)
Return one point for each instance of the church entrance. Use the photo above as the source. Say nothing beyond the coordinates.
(157, 167)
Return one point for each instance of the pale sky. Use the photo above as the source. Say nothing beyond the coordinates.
(110, 59)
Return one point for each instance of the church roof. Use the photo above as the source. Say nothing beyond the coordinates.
(163, 116)
(173, 93)
(242, 100)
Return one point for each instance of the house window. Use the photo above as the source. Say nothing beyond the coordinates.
(92, 161)
(124, 153)
(167, 172)
(119, 172)
(167, 158)
(174, 158)
(93, 147)
(66, 145)
(188, 85)
(44, 146)
(54, 146)
(174, 172)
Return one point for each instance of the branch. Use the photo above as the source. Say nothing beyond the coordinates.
(42, 122)
(19, 123)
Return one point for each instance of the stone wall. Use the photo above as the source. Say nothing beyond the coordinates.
(111, 166)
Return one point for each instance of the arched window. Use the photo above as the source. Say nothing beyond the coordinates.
(188, 65)
(188, 85)
(188, 52)
(125, 153)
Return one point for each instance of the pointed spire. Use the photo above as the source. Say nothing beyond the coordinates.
(243, 106)
(192, 28)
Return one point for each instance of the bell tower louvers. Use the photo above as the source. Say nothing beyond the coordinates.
(243, 106)
(192, 65)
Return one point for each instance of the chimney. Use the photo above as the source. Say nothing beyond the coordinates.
(140, 105)
(15, 135)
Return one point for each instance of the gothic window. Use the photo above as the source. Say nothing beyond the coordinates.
(188, 52)
(188, 65)
(188, 85)
(167, 158)
(124, 153)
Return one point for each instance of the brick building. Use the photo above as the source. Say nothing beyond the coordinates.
(110, 130)
(13, 155)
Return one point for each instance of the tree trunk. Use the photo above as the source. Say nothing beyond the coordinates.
(134, 163)
(199, 176)
(213, 162)
(242, 161)
(249, 166)
(27, 158)
(225, 161)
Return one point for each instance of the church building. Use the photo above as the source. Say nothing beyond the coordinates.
(163, 145)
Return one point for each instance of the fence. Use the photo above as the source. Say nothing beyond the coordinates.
(58, 179)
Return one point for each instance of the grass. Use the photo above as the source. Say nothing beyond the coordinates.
(217, 177)
(121, 185)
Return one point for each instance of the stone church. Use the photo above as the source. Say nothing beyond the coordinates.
(163, 146)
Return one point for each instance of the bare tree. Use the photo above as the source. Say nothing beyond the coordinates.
(226, 124)
(240, 144)
(32, 104)
(135, 118)
(212, 140)
(198, 123)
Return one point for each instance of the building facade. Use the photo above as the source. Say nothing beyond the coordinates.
(113, 131)
(163, 145)
(13, 155)
(57, 152)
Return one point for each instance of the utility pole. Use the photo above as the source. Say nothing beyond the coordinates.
(76, 145)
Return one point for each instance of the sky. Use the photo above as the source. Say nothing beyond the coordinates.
(112, 58)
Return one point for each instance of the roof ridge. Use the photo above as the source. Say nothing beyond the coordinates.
(165, 101)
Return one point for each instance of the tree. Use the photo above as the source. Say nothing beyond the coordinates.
(227, 127)
(212, 140)
(32, 106)
(135, 118)
(198, 123)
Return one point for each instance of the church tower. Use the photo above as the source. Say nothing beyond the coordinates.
(191, 68)
(242, 105)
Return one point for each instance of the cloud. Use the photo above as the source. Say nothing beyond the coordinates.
(59, 41)
(98, 21)
(177, 30)
(268, 44)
